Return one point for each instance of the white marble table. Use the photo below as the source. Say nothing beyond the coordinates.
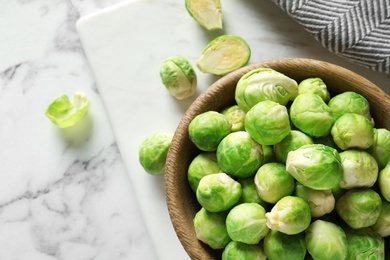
(76, 202)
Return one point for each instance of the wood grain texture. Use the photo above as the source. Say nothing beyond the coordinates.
(181, 200)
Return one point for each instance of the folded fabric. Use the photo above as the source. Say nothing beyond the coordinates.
(358, 30)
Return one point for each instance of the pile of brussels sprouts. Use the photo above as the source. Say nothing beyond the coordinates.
(290, 172)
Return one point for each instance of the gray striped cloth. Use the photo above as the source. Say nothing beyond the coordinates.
(358, 30)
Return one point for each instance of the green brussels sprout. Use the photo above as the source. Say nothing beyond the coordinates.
(178, 77)
(268, 153)
(278, 245)
(210, 228)
(246, 223)
(290, 215)
(291, 142)
(267, 122)
(203, 164)
(153, 151)
(65, 113)
(218, 192)
(273, 182)
(239, 155)
(316, 166)
(380, 148)
(236, 117)
(338, 192)
(315, 86)
(364, 243)
(206, 13)
(310, 114)
(382, 225)
(350, 102)
(360, 169)
(207, 130)
(249, 192)
(326, 240)
(223, 55)
(352, 131)
(264, 84)
(241, 251)
(359, 207)
(321, 202)
(384, 182)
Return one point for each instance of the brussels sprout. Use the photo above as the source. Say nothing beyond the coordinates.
(207, 130)
(236, 117)
(268, 153)
(310, 114)
(210, 228)
(364, 243)
(360, 169)
(153, 151)
(207, 13)
(218, 192)
(326, 240)
(246, 223)
(290, 215)
(278, 245)
(178, 77)
(350, 102)
(291, 142)
(264, 84)
(382, 225)
(359, 207)
(65, 113)
(380, 148)
(384, 182)
(241, 251)
(316, 166)
(203, 164)
(267, 122)
(273, 182)
(223, 55)
(249, 193)
(326, 140)
(321, 202)
(352, 131)
(239, 155)
(315, 86)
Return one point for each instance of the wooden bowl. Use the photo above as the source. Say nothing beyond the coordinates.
(181, 200)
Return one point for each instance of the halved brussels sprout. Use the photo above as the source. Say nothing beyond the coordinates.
(208, 13)
(315, 86)
(278, 245)
(237, 250)
(203, 164)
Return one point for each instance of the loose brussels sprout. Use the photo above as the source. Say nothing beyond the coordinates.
(359, 207)
(316, 166)
(290, 215)
(207, 130)
(384, 182)
(268, 153)
(246, 223)
(218, 192)
(241, 251)
(236, 117)
(278, 245)
(153, 151)
(267, 122)
(321, 202)
(310, 114)
(249, 193)
(210, 228)
(239, 155)
(315, 86)
(207, 13)
(264, 84)
(203, 164)
(178, 77)
(65, 113)
(291, 142)
(273, 182)
(380, 148)
(360, 169)
(382, 225)
(326, 240)
(364, 243)
(350, 102)
(352, 131)
(223, 55)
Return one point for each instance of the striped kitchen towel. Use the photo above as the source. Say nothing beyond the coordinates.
(358, 30)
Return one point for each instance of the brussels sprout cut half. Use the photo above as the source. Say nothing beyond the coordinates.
(207, 13)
